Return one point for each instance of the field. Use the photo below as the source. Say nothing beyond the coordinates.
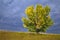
(27, 36)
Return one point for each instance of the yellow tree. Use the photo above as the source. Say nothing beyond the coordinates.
(37, 18)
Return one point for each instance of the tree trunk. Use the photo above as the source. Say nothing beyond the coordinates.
(37, 29)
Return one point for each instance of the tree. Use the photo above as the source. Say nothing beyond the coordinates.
(37, 18)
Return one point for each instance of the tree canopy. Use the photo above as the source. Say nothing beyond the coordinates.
(37, 18)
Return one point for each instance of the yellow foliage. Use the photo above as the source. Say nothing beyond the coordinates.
(41, 19)
(29, 10)
(44, 12)
(23, 19)
(38, 17)
(24, 25)
(48, 17)
(39, 8)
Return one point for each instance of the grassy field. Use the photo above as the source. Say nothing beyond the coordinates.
(27, 36)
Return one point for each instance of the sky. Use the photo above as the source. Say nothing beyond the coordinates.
(11, 12)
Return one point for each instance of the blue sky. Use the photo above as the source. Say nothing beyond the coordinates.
(11, 12)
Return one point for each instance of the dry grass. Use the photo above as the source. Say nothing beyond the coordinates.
(27, 36)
